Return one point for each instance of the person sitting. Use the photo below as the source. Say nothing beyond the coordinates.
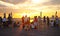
(14, 24)
(18, 24)
(52, 23)
(32, 25)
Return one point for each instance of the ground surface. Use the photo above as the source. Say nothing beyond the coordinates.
(44, 30)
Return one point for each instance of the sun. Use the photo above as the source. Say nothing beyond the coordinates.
(38, 1)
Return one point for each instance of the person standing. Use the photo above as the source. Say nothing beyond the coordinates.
(44, 19)
(39, 21)
(26, 22)
(48, 21)
(52, 21)
(23, 25)
(57, 21)
(9, 20)
(0, 21)
(4, 21)
(35, 22)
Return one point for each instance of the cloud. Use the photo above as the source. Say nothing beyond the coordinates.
(52, 2)
(55, 2)
(6, 4)
(19, 4)
(14, 1)
(2, 5)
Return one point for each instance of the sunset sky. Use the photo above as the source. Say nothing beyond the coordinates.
(31, 8)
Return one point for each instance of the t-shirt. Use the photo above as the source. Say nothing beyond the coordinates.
(4, 20)
(39, 19)
(32, 26)
(25, 19)
(57, 21)
(35, 20)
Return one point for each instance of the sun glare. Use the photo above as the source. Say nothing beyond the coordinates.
(24, 14)
(37, 1)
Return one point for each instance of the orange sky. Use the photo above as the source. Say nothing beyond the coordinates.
(32, 14)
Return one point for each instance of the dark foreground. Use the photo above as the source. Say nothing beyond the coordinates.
(42, 31)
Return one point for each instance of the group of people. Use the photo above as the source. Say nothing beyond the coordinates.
(53, 22)
(34, 24)
(5, 22)
(26, 24)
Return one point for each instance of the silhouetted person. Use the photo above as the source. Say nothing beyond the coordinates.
(57, 21)
(4, 20)
(9, 19)
(14, 24)
(44, 19)
(53, 21)
(32, 25)
(48, 21)
(35, 21)
(26, 22)
(23, 22)
(23, 19)
(0, 21)
(39, 21)
(18, 24)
